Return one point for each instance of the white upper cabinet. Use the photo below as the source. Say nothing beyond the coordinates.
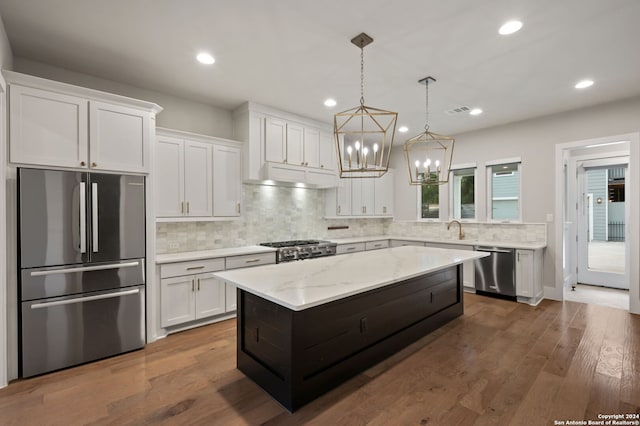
(275, 148)
(311, 147)
(198, 186)
(384, 194)
(47, 128)
(357, 197)
(197, 176)
(295, 145)
(60, 125)
(227, 181)
(119, 138)
(327, 151)
(169, 163)
(284, 147)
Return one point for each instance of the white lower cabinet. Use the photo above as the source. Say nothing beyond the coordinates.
(187, 295)
(403, 243)
(232, 299)
(529, 276)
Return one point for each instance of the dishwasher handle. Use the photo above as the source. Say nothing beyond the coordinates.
(493, 250)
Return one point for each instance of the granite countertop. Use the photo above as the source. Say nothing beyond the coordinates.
(506, 244)
(308, 283)
(211, 254)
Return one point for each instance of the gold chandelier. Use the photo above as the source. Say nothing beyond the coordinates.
(364, 135)
(428, 154)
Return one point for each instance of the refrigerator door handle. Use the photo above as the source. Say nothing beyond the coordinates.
(84, 299)
(94, 216)
(85, 269)
(83, 217)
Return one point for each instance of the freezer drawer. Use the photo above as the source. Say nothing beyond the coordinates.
(66, 331)
(41, 283)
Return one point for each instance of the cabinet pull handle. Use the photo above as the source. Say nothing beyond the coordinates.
(82, 163)
(187, 207)
(190, 268)
(94, 164)
(339, 209)
(252, 261)
(431, 297)
(384, 210)
(182, 207)
(238, 208)
(377, 245)
(350, 248)
(193, 285)
(198, 284)
(518, 256)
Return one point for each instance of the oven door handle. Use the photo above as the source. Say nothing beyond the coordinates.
(84, 299)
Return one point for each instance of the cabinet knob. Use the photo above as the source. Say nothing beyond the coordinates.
(322, 166)
(302, 164)
(94, 164)
(82, 163)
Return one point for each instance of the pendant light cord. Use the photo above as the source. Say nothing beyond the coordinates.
(426, 104)
(361, 76)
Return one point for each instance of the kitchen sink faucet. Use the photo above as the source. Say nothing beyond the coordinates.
(460, 231)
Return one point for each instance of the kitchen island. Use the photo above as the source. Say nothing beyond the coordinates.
(305, 327)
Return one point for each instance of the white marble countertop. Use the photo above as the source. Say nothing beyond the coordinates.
(304, 284)
(506, 244)
(211, 254)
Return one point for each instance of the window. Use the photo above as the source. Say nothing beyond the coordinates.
(430, 202)
(463, 194)
(505, 191)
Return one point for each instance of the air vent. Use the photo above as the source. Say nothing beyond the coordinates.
(458, 110)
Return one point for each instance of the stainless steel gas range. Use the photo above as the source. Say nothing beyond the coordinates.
(301, 249)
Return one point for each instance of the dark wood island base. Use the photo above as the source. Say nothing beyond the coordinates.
(297, 356)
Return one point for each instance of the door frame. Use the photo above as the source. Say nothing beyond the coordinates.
(632, 228)
(581, 250)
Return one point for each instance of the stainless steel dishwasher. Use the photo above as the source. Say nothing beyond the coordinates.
(496, 273)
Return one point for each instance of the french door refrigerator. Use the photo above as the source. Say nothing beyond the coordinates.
(82, 267)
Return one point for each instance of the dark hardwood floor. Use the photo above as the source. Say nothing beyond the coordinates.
(501, 363)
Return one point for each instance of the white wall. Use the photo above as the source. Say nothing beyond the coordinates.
(6, 55)
(534, 141)
(178, 113)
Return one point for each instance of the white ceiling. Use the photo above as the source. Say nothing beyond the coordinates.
(292, 54)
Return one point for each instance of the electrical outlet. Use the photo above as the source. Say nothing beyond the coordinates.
(549, 217)
(174, 245)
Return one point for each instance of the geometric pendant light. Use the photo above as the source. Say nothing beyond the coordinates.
(364, 135)
(428, 154)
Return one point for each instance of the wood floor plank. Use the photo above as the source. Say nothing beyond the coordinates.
(500, 363)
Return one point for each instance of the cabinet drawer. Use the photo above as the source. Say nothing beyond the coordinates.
(349, 248)
(402, 243)
(245, 261)
(375, 245)
(194, 267)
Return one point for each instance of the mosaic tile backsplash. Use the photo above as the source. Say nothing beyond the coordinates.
(273, 213)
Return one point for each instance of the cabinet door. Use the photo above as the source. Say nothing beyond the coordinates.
(177, 300)
(198, 191)
(119, 138)
(524, 273)
(311, 147)
(227, 183)
(231, 296)
(169, 171)
(295, 141)
(384, 195)
(327, 151)
(275, 148)
(343, 193)
(210, 296)
(362, 196)
(47, 129)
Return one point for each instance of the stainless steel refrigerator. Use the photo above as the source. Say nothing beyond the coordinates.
(82, 267)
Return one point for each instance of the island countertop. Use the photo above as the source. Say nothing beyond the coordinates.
(304, 284)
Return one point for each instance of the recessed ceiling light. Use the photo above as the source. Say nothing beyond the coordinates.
(584, 84)
(475, 111)
(510, 27)
(205, 58)
(330, 103)
(403, 129)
